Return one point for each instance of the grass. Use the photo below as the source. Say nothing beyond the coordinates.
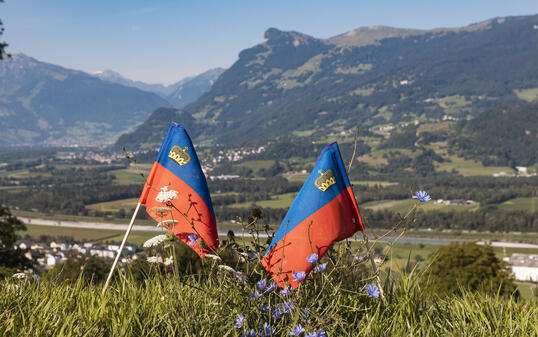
(196, 305)
(403, 205)
(277, 201)
(520, 204)
(528, 95)
(114, 206)
(131, 175)
(78, 234)
(468, 167)
(256, 165)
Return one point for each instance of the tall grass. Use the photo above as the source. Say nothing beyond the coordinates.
(207, 305)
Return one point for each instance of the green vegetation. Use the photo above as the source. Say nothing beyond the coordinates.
(458, 268)
(470, 167)
(528, 95)
(277, 201)
(520, 204)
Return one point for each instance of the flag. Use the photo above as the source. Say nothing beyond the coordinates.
(176, 193)
(323, 212)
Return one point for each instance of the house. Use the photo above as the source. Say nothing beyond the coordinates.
(524, 266)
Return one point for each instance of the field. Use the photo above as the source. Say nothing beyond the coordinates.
(277, 201)
(468, 167)
(114, 206)
(401, 206)
(520, 204)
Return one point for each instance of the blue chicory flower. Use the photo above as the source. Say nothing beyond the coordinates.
(253, 333)
(422, 196)
(320, 268)
(267, 330)
(272, 286)
(238, 324)
(299, 276)
(372, 290)
(264, 308)
(313, 258)
(317, 333)
(261, 284)
(192, 239)
(286, 307)
(255, 295)
(277, 314)
(285, 291)
(297, 330)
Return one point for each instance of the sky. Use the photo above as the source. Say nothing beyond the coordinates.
(163, 41)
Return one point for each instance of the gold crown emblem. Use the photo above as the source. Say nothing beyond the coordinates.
(179, 155)
(325, 180)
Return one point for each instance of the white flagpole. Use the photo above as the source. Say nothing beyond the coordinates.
(120, 250)
(376, 271)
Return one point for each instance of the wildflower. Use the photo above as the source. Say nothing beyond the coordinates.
(161, 211)
(272, 286)
(313, 258)
(255, 295)
(285, 291)
(372, 290)
(238, 323)
(165, 223)
(155, 241)
(287, 306)
(241, 277)
(264, 308)
(297, 330)
(155, 259)
(299, 276)
(20, 276)
(253, 333)
(214, 257)
(267, 330)
(317, 333)
(169, 260)
(277, 314)
(320, 268)
(261, 284)
(422, 196)
(192, 239)
(227, 268)
(165, 195)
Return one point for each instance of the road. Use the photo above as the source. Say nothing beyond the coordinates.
(141, 228)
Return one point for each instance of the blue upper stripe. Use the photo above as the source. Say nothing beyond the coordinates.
(310, 199)
(191, 173)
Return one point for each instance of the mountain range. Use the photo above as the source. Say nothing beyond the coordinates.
(178, 94)
(293, 84)
(45, 104)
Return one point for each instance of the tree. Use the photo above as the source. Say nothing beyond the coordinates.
(468, 267)
(9, 256)
(3, 45)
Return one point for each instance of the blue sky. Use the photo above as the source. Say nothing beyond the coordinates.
(164, 41)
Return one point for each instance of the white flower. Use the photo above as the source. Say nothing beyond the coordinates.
(214, 257)
(227, 268)
(164, 223)
(155, 259)
(155, 241)
(165, 195)
(21, 276)
(169, 260)
(161, 209)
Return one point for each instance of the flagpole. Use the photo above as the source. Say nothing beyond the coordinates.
(120, 250)
(376, 271)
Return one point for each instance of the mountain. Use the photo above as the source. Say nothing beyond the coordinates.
(190, 89)
(115, 77)
(178, 94)
(42, 103)
(295, 84)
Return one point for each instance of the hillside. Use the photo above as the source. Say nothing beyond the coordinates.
(45, 104)
(295, 83)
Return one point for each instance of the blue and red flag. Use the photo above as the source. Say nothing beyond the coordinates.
(176, 193)
(324, 211)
